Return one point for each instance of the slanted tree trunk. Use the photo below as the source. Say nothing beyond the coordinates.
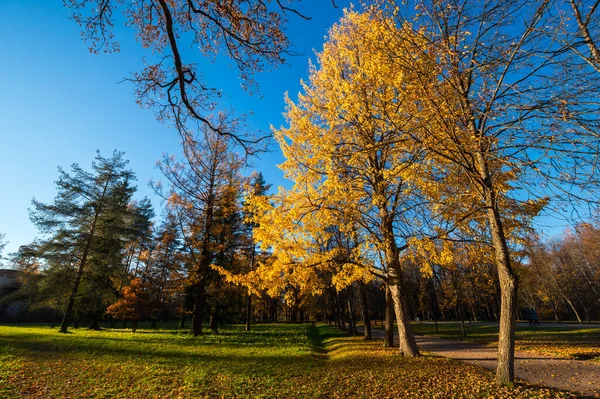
(505, 369)
(86, 250)
(407, 343)
(69, 310)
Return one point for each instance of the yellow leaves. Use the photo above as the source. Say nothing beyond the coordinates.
(348, 274)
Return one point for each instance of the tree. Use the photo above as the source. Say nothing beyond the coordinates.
(258, 187)
(135, 303)
(88, 222)
(250, 33)
(493, 110)
(357, 175)
(200, 197)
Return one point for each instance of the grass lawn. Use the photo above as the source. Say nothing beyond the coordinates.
(272, 361)
(553, 339)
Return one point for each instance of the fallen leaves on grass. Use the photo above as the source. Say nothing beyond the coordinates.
(272, 361)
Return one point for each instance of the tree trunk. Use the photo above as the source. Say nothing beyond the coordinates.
(462, 321)
(94, 324)
(134, 326)
(88, 244)
(352, 321)
(198, 312)
(505, 370)
(388, 340)
(407, 343)
(573, 309)
(214, 318)
(69, 311)
(364, 306)
(248, 311)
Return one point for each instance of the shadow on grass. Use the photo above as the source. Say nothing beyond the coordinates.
(236, 351)
(320, 337)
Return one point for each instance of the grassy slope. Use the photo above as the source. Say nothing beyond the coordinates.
(577, 343)
(272, 361)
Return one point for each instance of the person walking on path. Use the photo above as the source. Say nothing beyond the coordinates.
(533, 318)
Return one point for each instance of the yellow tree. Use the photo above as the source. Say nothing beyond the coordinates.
(353, 168)
(498, 117)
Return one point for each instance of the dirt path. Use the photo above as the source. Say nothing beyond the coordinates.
(574, 375)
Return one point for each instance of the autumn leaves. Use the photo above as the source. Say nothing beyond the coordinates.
(407, 145)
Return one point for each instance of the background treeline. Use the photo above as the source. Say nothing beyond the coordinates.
(142, 268)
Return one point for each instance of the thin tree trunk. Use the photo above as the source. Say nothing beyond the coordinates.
(248, 311)
(462, 321)
(249, 305)
(558, 286)
(214, 318)
(69, 311)
(505, 368)
(364, 305)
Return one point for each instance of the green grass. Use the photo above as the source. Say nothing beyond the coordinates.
(271, 361)
(556, 340)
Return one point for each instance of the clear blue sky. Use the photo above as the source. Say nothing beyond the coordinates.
(59, 103)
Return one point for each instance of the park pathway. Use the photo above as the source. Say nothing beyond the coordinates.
(579, 376)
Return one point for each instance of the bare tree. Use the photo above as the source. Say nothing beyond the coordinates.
(251, 33)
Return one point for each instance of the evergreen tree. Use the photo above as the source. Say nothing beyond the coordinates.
(87, 225)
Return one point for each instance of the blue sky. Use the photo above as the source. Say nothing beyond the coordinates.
(59, 103)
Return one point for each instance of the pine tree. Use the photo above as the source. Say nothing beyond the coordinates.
(87, 225)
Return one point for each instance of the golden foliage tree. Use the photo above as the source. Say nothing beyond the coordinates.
(355, 172)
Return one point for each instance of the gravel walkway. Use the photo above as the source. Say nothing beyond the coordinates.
(580, 376)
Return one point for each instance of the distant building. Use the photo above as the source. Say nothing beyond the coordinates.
(8, 285)
(8, 279)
